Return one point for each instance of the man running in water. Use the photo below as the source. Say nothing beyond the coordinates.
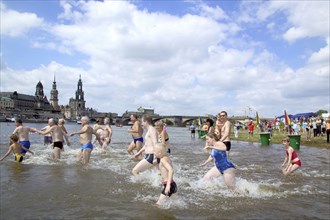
(23, 135)
(148, 148)
(137, 132)
(58, 135)
(86, 134)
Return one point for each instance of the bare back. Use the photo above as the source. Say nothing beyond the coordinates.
(16, 148)
(22, 132)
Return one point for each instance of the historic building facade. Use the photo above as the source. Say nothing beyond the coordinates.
(15, 100)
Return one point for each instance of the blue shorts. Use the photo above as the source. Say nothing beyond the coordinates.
(138, 139)
(88, 145)
(26, 144)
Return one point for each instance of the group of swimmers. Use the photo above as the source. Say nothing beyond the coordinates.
(155, 146)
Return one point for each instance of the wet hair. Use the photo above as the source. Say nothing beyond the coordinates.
(61, 121)
(19, 121)
(213, 136)
(97, 121)
(134, 115)
(14, 137)
(148, 119)
(210, 121)
(159, 123)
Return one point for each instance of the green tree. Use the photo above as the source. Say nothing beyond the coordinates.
(321, 111)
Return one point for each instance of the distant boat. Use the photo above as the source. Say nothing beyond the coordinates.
(79, 122)
(10, 119)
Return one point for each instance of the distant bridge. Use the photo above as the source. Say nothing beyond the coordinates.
(178, 121)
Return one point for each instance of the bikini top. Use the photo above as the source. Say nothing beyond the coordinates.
(294, 154)
(160, 138)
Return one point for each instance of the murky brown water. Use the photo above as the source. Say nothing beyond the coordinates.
(43, 189)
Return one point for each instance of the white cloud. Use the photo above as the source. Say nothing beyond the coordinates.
(14, 23)
(189, 64)
(321, 56)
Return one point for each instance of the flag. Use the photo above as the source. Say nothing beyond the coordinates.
(257, 118)
(200, 122)
(287, 119)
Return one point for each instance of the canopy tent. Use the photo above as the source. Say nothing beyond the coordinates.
(299, 115)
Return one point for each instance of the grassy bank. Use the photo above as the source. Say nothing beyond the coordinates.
(278, 137)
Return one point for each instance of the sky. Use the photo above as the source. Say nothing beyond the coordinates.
(187, 57)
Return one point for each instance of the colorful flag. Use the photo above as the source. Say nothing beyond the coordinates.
(257, 118)
(287, 119)
(200, 122)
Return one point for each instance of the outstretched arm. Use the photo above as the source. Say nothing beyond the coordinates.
(24, 148)
(209, 159)
(6, 155)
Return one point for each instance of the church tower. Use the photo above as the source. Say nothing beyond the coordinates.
(39, 91)
(80, 97)
(54, 96)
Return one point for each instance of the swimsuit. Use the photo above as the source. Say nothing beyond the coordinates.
(87, 145)
(294, 156)
(150, 158)
(220, 160)
(166, 140)
(173, 188)
(59, 144)
(18, 158)
(48, 139)
(138, 139)
(228, 145)
(26, 144)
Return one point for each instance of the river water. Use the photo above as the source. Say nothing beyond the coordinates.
(40, 188)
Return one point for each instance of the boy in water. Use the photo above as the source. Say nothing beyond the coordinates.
(16, 148)
(166, 172)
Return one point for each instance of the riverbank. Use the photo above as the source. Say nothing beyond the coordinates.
(278, 137)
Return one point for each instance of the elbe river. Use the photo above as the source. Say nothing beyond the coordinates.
(41, 188)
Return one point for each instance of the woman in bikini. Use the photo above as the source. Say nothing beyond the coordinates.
(291, 159)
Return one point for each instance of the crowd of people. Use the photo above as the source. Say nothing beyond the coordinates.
(311, 127)
(154, 145)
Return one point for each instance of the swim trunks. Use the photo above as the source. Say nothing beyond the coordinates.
(228, 145)
(173, 188)
(48, 139)
(26, 144)
(221, 161)
(138, 139)
(18, 158)
(58, 144)
(87, 145)
(149, 158)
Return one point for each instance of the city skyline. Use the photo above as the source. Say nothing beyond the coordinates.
(178, 57)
